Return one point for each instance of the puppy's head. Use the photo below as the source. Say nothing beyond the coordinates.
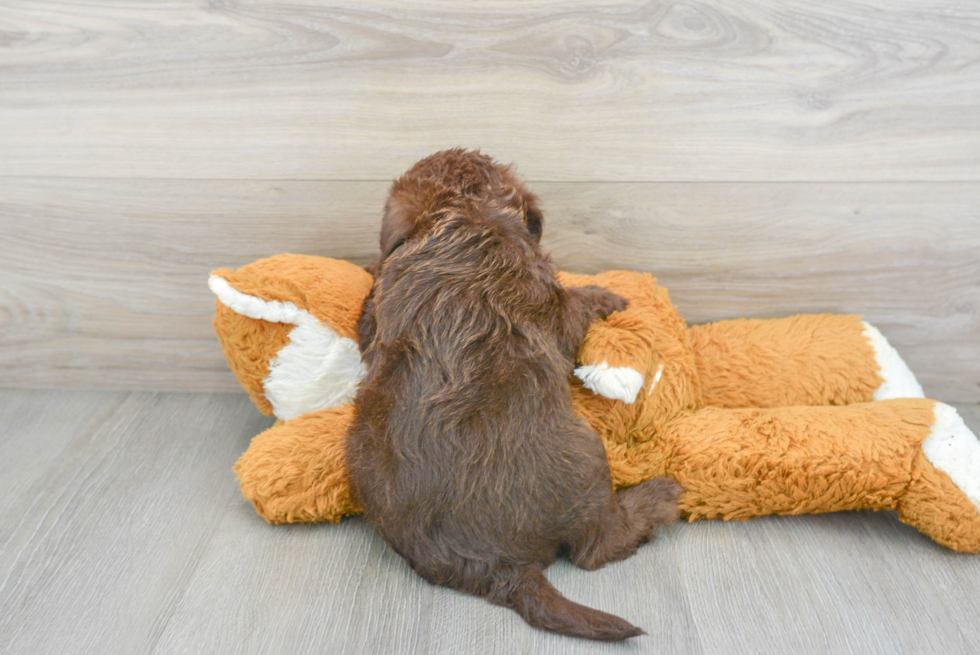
(451, 179)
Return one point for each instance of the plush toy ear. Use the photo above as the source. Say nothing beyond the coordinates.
(288, 326)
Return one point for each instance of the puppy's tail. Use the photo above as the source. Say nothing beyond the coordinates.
(526, 591)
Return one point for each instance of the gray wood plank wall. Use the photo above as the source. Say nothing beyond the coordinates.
(761, 158)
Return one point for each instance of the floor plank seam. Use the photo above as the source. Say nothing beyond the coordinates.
(200, 553)
(699, 627)
(33, 540)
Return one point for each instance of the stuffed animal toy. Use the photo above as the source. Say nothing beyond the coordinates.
(788, 416)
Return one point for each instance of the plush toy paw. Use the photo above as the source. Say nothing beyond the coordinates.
(943, 498)
(622, 356)
(613, 382)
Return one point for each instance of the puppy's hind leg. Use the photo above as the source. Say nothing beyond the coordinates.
(631, 519)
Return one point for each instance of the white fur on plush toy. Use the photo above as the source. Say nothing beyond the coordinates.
(317, 369)
(953, 449)
(618, 383)
(899, 381)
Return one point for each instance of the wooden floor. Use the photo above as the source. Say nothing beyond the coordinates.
(122, 531)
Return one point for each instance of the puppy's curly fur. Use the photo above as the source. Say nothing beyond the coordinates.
(465, 452)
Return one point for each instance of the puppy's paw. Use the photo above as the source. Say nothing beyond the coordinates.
(665, 493)
(605, 302)
(653, 503)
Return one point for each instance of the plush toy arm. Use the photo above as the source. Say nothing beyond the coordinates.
(619, 355)
(819, 359)
(296, 471)
(915, 456)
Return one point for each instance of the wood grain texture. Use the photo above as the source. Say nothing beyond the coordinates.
(102, 282)
(122, 531)
(302, 589)
(605, 90)
(647, 589)
(340, 589)
(109, 502)
(42, 432)
(836, 583)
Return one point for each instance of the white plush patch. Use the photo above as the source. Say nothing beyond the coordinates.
(617, 383)
(899, 381)
(317, 369)
(953, 449)
(656, 379)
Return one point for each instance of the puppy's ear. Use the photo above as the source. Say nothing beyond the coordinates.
(533, 217)
(397, 226)
(411, 210)
(372, 266)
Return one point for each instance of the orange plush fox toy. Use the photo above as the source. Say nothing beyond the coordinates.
(789, 416)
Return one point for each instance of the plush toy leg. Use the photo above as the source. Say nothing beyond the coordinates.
(296, 471)
(819, 359)
(915, 456)
(944, 493)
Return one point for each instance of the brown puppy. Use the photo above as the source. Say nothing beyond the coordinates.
(465, 452)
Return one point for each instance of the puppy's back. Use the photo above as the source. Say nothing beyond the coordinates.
(478, 419)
